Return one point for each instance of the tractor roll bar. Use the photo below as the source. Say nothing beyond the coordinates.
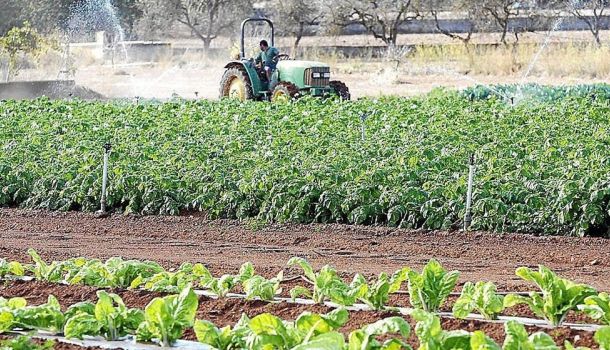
(243, 32)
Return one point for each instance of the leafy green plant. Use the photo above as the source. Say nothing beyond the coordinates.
(480, 341)
(364, 338)
(378, 294)
(597, 307)
(481, 297)
(308, 331)
(262, 288)
(602, 337)
(166, 318)
(47, 317)
(517, 339)
(327, 284)
(429, 290)
(225, 338)
(558, 295)
(13, 268)
(109, 317)
(25, 343)
(432, 336)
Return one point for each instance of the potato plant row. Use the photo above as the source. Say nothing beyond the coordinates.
(428, 290)
(541, 167)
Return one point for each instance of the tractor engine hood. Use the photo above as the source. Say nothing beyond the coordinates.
(304, 74)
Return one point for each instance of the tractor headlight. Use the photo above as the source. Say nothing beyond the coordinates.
(316, 75)
(327, 75)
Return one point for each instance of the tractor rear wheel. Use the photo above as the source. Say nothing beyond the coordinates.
(236, 84)
(285, 92)
(340, 89)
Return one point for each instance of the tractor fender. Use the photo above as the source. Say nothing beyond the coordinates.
(251, 71)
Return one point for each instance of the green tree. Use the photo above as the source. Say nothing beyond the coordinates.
(19, 42)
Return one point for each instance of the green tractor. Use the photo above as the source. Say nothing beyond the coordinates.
(292, 79)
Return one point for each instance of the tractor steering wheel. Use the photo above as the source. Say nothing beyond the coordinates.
(283, 57)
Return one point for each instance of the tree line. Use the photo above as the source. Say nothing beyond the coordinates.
(383, 19)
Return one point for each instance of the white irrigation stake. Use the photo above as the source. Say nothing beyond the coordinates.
(468, 215)
(107, 149)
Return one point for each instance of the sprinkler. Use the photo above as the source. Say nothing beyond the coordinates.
(196, 94)
(137, 100)
(468, 215)
(103, 213)
(363, 118)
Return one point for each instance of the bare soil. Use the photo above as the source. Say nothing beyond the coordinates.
(225, 245)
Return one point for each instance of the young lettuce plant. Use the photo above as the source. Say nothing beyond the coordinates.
(267, 331)
(170, 282)
(13, 268)
(365, 338)
(327, 285)
(481, 297)
(47, 317)
(256, 286)
(602, 337)
(166, 318)
(517, 338)
(109, 317)
(558, 296)
(431, 335)
(7, 307)
(429, 290)
(378, 294)
(222, 338)
(56, 271)
(597, 307)
(262, 288)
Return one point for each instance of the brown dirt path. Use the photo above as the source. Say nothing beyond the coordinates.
(225, 245)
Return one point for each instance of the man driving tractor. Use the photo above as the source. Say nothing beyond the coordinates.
(267, 58)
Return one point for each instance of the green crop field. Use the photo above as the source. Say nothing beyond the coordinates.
(541, 167)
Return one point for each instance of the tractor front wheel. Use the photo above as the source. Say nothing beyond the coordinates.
(236, 84)
(285, 92)
(340, 89)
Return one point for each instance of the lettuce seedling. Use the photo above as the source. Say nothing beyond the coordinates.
(223, 338)
(166, 318)
(262, 288)
(327, 285)
(377, 295)
(558, 296)
(431, 335)
(109, 317)
(309, 331)
(597, 307)
(13, 268)
(25, 343)
(602, 337)
(518, 339)
(47, 317)
(365, 338)
(429, 290)
(7, 307)
(481, 297)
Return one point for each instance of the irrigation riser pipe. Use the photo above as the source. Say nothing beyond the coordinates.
(468, 215)
(406, 311)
